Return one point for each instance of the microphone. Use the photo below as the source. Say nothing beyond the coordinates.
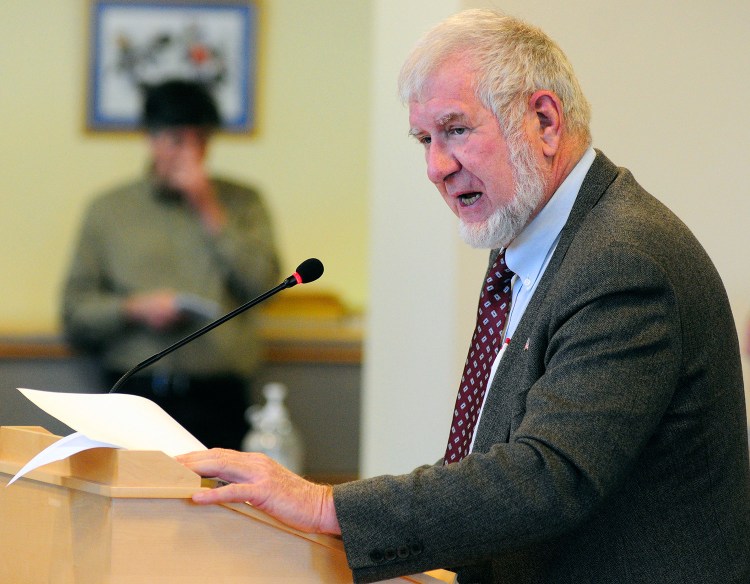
(308, 271)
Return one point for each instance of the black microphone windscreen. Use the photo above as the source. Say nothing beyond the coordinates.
(310, 270)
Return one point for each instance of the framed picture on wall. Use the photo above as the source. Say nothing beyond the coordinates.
(137, 43)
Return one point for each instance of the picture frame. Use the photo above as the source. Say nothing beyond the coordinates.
(136, 43)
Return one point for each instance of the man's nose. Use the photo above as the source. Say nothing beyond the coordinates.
(441, 163)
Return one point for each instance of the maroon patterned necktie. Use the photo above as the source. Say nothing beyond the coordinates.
(494, 305)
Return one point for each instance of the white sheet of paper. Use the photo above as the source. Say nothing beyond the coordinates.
(63, 448)
(129, 421)
(198, 307)
(114, 420)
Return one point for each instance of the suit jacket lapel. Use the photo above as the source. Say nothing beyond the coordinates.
(495, 423)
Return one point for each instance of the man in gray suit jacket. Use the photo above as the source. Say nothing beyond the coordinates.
(611, 443)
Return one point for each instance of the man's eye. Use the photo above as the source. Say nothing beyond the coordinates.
(425, 140)
(457, 131)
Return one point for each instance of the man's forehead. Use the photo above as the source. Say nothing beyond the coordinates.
(439, 113)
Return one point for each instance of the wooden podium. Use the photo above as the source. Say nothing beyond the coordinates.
(107, 516)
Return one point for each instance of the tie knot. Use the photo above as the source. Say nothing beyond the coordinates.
(499, 275)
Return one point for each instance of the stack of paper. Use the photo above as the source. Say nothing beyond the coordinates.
(109, 420)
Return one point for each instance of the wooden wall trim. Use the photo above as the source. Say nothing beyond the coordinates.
(327, 348)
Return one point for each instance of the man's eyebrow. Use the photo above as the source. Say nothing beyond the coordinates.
(441, 122)
(448, 118)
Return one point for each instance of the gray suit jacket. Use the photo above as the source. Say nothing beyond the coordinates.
(613, 444)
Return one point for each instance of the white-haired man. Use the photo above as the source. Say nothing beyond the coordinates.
(599, 435)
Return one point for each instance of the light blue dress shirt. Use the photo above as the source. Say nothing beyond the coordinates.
(530, 252)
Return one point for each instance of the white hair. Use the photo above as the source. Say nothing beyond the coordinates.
(511, 60)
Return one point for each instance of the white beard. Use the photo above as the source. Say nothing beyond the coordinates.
(505, 223)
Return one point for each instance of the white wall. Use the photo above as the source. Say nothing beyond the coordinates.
(667, 82)
(410, 364)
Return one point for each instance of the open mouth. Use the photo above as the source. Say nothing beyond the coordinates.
(468, 199)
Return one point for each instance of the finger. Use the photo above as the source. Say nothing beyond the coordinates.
(232, 493)
(191, 456)
(207, 466)
(197, 455)
(228, 465)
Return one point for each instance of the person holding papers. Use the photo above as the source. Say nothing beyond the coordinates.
(159, 257)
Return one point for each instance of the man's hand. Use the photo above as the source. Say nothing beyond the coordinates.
(179, 156)
(190, 177)
(257, 479)
(157, 310)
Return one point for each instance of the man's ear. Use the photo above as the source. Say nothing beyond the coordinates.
(547, 126)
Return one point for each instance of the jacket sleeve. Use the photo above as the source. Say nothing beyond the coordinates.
(589, 390)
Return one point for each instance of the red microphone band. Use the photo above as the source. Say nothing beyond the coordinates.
(297, 277)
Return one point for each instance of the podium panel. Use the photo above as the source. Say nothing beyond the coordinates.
(107, 516)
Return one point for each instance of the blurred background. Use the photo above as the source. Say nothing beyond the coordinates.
(308, 153)
(329, 152)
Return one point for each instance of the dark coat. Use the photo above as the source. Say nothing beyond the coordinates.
(613, 444)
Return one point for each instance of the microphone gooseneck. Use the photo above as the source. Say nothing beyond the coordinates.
(308, 271)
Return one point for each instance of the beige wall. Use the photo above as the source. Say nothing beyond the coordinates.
(309, 155)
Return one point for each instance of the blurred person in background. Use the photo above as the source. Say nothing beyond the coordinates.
(159, 257)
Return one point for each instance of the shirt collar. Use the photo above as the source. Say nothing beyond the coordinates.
(529, 251)
(161, 192)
